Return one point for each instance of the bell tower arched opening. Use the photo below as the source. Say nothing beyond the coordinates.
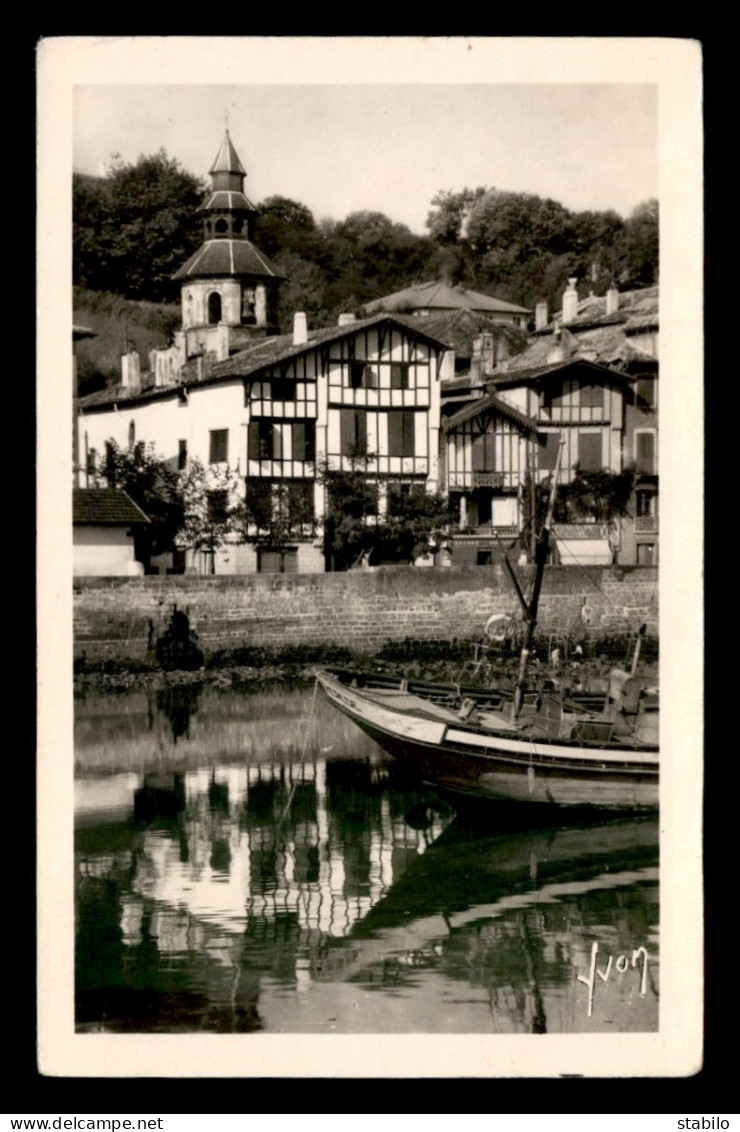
(214, 308)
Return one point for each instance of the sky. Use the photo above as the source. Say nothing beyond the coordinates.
(340, 148)
(366, 124)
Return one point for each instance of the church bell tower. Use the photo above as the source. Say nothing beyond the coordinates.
(229, 288)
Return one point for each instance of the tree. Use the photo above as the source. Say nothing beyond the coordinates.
(136, 226)
(155, 486)
(417, 523)
(274, 514)
(641, 259)
(212, 507)
(448, 217)
(351, 506)
(598, 495)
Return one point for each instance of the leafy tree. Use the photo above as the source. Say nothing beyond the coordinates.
(417, 523)
(153, 484)
(448, 217)
(285, 225)
(598, 495)
(275, 514)
(351, 506)
(212, 507)
(136, 226)
(641, 260)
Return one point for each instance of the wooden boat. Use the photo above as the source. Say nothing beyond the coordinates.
(535, 748)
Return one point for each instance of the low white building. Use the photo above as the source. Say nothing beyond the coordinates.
(104, 523)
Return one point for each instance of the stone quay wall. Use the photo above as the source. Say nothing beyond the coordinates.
(120, 618)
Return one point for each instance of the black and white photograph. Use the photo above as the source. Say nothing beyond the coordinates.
(369, 458)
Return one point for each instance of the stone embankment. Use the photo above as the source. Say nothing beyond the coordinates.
(248, 619)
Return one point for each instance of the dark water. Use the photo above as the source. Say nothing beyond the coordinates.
(254, 862)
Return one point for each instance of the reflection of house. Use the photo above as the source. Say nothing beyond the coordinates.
(104, 523)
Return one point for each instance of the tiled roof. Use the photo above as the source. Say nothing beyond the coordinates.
(227, 257)
(442, 296)
(523, 374)
(260, 353)
(227, 159)
(483, 404)
(460, 328)
(102, 506)
(227, 200)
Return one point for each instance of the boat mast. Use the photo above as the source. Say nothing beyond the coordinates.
(530, 609)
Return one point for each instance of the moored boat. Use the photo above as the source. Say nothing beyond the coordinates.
(543, 747)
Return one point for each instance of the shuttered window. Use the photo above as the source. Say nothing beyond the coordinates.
(401, 440)
(400, 375)
(304, 440)
(219, 447)
(353, 432)
(549, 442)
(645, 453)
(484, 453)
(592, 397)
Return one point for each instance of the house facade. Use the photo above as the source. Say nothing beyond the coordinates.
(588, 378)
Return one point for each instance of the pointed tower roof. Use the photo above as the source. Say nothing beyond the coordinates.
(227, 159)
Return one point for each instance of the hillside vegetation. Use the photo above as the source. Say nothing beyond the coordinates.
(137, 225)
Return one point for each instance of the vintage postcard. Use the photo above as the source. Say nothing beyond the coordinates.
(370, 528)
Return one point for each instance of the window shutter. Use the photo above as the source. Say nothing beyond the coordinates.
(347, 431)
(548, 451)
(253, 441)
(645, 452)
(299, 440)
(395, 434)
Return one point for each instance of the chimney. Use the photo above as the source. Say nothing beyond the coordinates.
(482, 359)
(345, 319)
(556, 353)
(570, 302)
(501, 352)
(300, 328)
(130, 370)
(540, 316)
(612, 300)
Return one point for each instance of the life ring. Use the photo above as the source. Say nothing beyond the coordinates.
(497, 627)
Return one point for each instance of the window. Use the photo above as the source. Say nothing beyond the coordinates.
(219, 449)
(401, 440)
(399, 493)
(221, 226)
(361, 376)
(273, 561)
(645, 393)
(589, 451)
(549, 443)
(647, 554)
(248, 306)
(304, 440)
(400, 375)
(645, 504)
(182, 454)
(484, 454)
(214, 308)
(592, 396)
(218, 507)
(645, 453)
(282, 389)
(353, 433)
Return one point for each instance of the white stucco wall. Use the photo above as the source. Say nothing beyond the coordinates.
(104, 552)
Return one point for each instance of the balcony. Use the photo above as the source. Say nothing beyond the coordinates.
(646, 524)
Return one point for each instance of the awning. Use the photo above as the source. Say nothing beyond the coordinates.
(584, 551)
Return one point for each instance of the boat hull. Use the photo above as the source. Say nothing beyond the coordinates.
(465, 761)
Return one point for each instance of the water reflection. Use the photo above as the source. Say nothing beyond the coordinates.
(261, 865)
